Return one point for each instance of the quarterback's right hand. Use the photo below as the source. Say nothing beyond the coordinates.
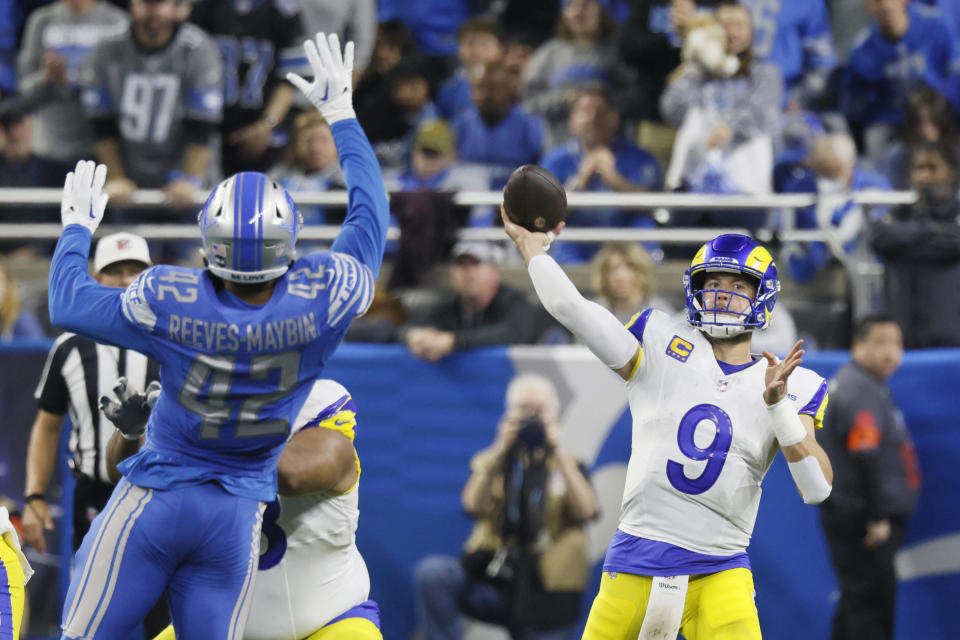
(83, 200)
(331, 91)
(130, 411)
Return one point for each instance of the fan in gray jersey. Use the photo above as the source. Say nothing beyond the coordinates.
(57, 42)
(154, 97)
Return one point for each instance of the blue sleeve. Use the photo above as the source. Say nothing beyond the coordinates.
(363, 234)
(80, 305)
(817, 38)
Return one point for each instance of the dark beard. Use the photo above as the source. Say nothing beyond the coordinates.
(491, 118)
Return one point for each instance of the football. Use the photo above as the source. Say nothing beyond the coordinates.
(534, 198)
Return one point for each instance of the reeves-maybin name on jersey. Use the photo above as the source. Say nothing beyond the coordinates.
(702, 439)
(217, 353)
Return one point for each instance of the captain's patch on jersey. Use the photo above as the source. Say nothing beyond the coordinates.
(679, 349)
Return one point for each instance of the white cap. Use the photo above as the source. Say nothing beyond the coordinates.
(118, 247)
(480, 250)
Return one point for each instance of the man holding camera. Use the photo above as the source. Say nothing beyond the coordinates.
(525, 565)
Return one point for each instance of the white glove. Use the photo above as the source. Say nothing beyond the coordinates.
(83, 199)
(331, 91)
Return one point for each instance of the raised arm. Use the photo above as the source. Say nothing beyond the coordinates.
(364, 231)
(77, 302)
(595, 326)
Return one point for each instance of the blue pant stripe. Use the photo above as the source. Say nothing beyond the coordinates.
(87, 569)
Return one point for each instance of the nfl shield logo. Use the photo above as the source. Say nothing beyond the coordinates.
(722, 385)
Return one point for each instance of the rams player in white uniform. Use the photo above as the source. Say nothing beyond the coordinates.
(708, 420)
(313, 583)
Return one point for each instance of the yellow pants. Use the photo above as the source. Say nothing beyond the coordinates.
(346, 629)
(719, 606)
(11, 591)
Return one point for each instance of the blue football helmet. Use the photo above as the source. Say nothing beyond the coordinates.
(249, 226)
(738, 254)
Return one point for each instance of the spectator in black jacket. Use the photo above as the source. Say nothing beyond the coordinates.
(875, 481)
(479, 312)
(920, 246)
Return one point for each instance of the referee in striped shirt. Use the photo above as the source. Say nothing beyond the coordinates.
(77, 372)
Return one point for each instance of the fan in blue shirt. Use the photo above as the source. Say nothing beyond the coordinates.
(596, 159)
(795, 36)
(908, 47)
(240, 344)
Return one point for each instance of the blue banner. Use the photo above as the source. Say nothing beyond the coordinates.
(419, 424)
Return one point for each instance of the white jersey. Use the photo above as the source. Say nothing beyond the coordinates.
(702, 439)
(320, 574)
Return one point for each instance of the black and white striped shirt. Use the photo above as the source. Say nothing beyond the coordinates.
(77, 372)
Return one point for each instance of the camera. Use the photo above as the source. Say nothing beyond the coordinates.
(532, 434)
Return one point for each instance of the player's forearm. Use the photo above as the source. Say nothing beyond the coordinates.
(808, 462)
(118, 450)
(364, 231)
(41, 454)
(77, 302)
(595, 326)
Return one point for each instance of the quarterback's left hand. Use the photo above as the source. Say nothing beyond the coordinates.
(778, 372)
(83, 200)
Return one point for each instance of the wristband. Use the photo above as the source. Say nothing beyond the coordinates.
(34, 496)
(177, 174)
(786, 423)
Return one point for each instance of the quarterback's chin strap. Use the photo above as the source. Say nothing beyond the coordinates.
(595, 326)
(807, 473)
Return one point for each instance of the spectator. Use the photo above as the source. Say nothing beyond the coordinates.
(795, 36)
(533, 21)
(58, 39)
(928, 117)
(583, 53)
(14, 321)
(19, 165)
(525, 565)
(649, 43)
(259, 42)
(354, 21)
(311, 163)
(598, 158)
(909, 46)
(920, 247)
(433, 165)
(480, 311)
(833, 172)
(496, 131)
(434, 23)
(518, 50)
(728, 121)
(154, 96)
(394, 42)
(478, 42)
(625, 281)
(875, 481)
(408, 104)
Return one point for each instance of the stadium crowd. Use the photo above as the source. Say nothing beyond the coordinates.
(824, 97)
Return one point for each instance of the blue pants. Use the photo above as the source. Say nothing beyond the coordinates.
(200, 543)
(444, 591)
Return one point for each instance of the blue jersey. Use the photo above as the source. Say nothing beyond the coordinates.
(794, 35)
(515, 140)
(233, 374)
(881, 73)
